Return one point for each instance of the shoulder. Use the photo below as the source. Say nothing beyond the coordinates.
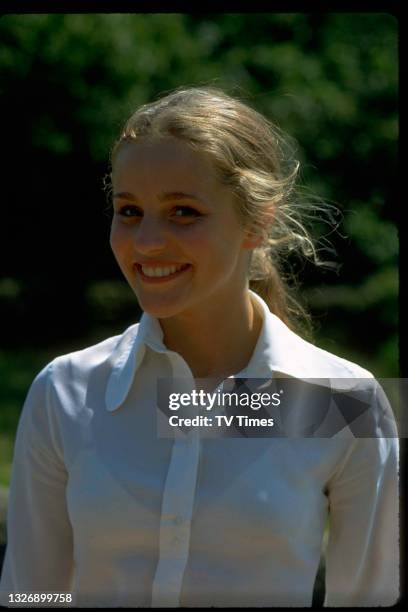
(303, 359)
(72, 372)
(337, 366)
(88, 359)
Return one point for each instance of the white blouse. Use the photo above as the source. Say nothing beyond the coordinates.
(104, 509)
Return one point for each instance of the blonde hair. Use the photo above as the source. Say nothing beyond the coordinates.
(256, 161)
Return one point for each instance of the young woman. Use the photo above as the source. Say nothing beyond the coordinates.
(103, 508)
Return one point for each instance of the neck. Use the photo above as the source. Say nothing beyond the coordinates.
(215, 341)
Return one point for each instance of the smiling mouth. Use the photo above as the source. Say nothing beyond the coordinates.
(158, 274)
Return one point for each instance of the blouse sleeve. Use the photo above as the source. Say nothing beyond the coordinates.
(39, 553)
(362, 554)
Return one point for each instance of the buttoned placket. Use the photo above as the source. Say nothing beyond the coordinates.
(178, 502)
(177, 508)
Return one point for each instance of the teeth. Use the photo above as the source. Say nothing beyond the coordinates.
(165, 271)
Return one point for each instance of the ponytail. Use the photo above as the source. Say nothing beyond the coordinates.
(269, 283)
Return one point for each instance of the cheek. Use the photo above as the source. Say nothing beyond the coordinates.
(193, 237)
(207, 238)
(118, 238)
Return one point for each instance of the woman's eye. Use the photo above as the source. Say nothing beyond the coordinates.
(179, 212)
(186, 212)
(129, 211)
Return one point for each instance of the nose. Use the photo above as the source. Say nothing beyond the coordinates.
(149, 236)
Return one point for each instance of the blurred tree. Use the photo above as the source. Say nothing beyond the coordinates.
(69, 81)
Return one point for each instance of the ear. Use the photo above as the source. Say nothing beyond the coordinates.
(252, 241)
(254, 236)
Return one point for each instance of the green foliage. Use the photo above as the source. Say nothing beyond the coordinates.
(111, 301)
(330, 80)
(6, 458)
(377, 238)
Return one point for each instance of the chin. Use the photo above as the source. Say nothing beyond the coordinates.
(159, 310)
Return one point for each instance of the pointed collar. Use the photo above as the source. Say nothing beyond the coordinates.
(278, 350)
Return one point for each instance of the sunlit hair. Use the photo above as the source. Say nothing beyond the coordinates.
(257, 162)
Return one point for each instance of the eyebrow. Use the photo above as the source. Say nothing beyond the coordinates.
(163, 197)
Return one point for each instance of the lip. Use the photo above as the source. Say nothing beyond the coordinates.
(158, 280)
(157, 263)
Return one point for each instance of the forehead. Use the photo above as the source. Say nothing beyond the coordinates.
(165, 161)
